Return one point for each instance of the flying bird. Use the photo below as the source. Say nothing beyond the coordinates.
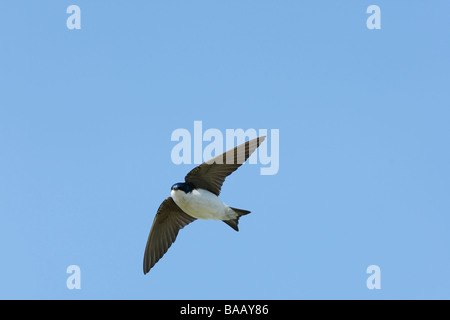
(197, 198)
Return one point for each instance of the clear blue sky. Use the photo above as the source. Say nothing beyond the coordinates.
(86, 118)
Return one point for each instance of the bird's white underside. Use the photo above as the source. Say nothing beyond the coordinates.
(202, 204)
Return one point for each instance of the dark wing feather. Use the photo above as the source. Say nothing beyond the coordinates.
(211, 174)
(168, 221)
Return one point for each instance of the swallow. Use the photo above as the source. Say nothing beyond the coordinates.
(197, 198)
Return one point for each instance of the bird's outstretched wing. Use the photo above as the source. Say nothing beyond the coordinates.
(211, 174)
(168, 221)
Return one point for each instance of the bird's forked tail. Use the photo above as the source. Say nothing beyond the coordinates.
(234, 222)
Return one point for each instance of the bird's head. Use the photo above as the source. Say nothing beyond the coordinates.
(186, 187)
